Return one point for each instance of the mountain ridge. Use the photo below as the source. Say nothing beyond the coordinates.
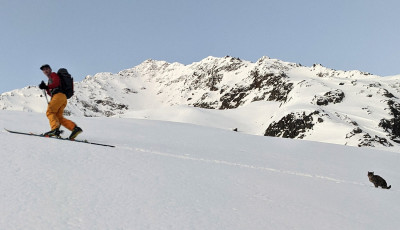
(293, 101)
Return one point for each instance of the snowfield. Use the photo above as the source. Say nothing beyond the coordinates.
(166, 175)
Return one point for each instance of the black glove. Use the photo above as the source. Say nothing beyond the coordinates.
(43, 85)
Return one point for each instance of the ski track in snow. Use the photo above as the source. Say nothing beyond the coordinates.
(222, 162)
(167, 175)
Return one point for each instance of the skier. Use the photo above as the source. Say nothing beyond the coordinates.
(56, 106)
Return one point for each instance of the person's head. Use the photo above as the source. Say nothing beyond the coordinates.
(46, 69)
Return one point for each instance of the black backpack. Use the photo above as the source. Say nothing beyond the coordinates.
(67, 82)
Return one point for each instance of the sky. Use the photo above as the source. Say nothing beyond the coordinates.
(88, 37)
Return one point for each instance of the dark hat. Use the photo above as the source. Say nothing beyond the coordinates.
(45, 66)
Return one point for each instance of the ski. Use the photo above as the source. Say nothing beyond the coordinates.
(60, 138)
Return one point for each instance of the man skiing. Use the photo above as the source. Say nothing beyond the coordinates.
(56, 106)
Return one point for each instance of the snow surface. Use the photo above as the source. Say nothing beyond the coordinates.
(166, 175)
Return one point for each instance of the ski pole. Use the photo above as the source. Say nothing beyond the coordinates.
(45, 95)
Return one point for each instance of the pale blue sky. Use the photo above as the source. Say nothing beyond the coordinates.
(88, 37)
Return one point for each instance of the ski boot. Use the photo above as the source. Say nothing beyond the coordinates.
(53, 133)
(75, 132)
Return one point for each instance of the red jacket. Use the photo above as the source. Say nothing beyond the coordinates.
(53, 84)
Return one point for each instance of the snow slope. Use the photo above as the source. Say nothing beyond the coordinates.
(165, 175)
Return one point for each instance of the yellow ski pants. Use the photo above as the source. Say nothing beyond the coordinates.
(55, 111)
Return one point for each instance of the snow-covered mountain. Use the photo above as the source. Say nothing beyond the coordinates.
(269, 97)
